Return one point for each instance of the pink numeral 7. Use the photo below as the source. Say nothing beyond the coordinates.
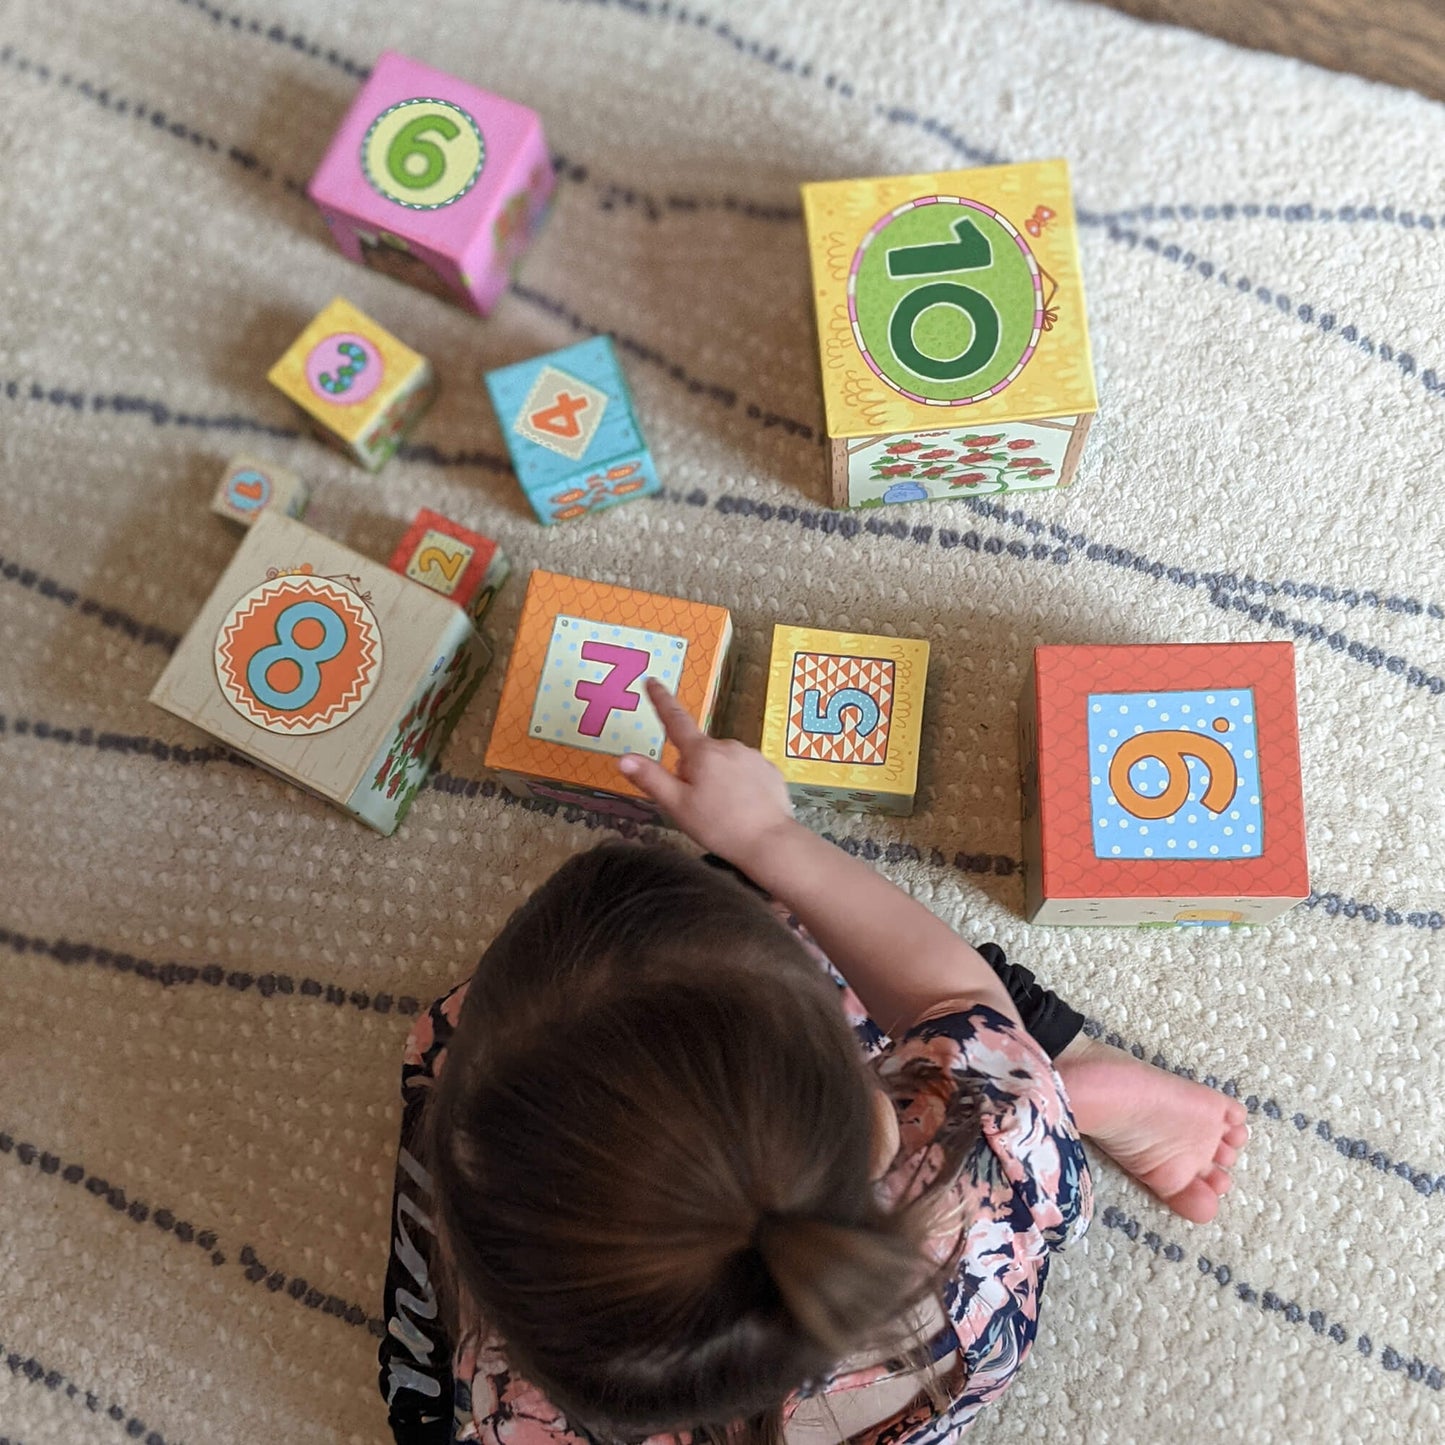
(625, 665)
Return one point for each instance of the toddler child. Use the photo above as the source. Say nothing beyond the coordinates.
(663, 1173)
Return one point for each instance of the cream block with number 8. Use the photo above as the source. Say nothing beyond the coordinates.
(326, 668)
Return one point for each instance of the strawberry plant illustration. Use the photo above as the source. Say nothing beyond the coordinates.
(978, 460)
(425, 724)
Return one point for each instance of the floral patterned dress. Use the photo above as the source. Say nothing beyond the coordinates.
(1023, 1193)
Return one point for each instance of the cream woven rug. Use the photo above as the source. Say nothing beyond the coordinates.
(207, 976)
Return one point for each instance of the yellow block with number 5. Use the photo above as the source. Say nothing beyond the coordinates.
(843, 720)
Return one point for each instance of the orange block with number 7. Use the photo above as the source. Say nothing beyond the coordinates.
(1161, 784)
(464, 566)
(574, 698)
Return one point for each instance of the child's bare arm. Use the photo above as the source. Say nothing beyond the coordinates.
(902, 962)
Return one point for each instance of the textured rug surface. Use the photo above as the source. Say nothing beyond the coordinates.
(208, 976)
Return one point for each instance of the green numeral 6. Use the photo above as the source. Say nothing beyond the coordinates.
(408, 143)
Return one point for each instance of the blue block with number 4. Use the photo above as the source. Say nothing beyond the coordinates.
(572, 432)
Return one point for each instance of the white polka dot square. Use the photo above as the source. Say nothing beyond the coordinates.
(1175, 774)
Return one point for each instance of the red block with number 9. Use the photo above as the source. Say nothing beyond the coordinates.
(1161, 784)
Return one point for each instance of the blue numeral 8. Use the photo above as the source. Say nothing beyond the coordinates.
(308, 660)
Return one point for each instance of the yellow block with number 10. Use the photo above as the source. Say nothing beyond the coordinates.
(948, 304)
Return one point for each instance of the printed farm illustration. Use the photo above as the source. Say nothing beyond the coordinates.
(959, 461)
(426, 723)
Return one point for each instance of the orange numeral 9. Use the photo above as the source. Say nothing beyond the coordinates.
(1173, 748)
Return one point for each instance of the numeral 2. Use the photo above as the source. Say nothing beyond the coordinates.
(448, 564)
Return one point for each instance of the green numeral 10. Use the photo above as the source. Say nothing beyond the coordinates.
(969, 251)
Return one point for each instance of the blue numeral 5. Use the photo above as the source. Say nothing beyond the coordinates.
(830, 720)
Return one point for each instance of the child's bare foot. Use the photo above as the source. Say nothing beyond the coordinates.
(1177, 1138)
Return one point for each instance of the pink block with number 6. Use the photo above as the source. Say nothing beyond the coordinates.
(435, 182)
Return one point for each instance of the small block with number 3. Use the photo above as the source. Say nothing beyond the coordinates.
(571, 431)
(361, 389)
(250, 486)
(435, 182)
(464, 566)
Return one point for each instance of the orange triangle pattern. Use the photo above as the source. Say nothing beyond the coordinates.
(828, 674)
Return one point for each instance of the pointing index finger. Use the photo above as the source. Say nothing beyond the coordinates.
(682, 731)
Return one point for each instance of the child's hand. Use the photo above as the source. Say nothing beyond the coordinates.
(724, 795)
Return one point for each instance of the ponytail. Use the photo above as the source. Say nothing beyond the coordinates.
(845, 1283)
(652, 1148)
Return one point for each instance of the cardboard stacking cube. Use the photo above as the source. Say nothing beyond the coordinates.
(1161, 784)
(570, 428)
(464, 566)
(248, 487)
(326, 668)
(951, 326)
(361, 388)
(844, 717)
(435, 182)
(573, 701)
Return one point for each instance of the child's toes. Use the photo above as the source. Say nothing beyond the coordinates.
(1225, 1156)
(1221, 1181)
(1196, 1202)
(1236, 1136)
(1234, 1113)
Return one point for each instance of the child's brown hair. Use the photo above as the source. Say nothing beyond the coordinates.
(651, 1146)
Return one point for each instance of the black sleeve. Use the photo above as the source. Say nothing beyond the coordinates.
(415, 1353)
(1051, 1021)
